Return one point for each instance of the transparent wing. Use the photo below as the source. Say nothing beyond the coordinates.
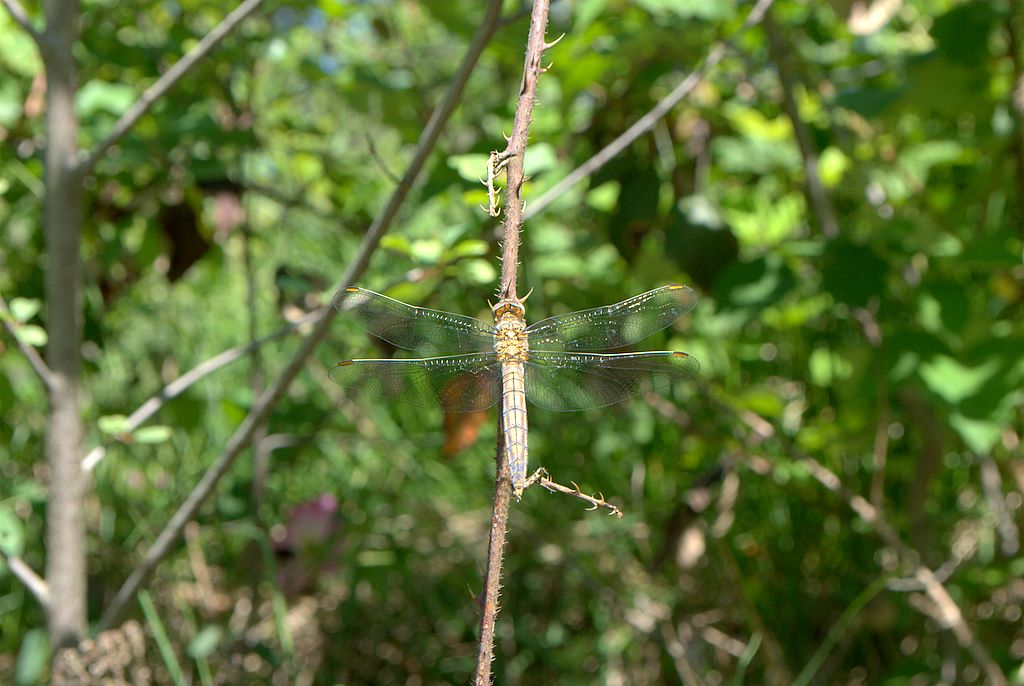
(414, 328)
(458, 383)
(613, 326)
(565, 382)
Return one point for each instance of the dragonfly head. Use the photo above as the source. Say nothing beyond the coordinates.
(505, 306)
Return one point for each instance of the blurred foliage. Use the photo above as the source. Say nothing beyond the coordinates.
(890, 353)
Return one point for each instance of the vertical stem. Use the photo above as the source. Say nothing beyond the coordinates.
(817, 199)
(62, 223)
(516, 150)
(514, 154)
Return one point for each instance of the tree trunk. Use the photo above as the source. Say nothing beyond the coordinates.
(62, 222)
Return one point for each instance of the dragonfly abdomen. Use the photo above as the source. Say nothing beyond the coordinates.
(513, 421)
(512, 349)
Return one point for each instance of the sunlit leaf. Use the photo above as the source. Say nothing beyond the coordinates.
(205, 642)
(113, 424)
(24, 309)
(152, 434)
(33, 657)
(33, 335)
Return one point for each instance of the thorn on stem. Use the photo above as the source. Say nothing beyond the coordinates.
(548, 46)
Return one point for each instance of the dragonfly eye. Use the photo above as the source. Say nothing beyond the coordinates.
(504, 306)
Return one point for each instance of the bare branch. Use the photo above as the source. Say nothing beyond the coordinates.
(512, 159)
(166, 81)
(38, 365)
(175, 388)
(39, 589)
(646, 122)
(22, 19)
(541, 477)
(515, 151)
(265, 403)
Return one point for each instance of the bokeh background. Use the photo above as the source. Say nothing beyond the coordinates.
(835, 500)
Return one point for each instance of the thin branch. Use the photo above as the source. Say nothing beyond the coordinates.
(175, 388)
(22, 19)
(265, 403)
(513, 157)
(39, 589)
(167, 81)
(950, 613)
(541, 477)
(817, 197)
(38, 364)
(992, 485)
(515, 151)
(381, 164)
(646, 122)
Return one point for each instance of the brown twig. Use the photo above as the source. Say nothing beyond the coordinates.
(265, 403)
(37, 362)
(167, 81)
(515, 151)
(646, 122)
(512, 157)
(540, 477)
(38, 587)
(22, 19)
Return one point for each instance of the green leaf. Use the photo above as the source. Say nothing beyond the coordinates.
(113, 424)
(471, 166)
(691, 9)
(540, 157)
(603, 198)
(152, 434)
(953, 381)
(980, 435)
(468, 248)
(204, 643)
(100, 96)
(33, 658)
(33, 335)
(756, 284)
(12, 533)
(427, 251)
(397, 243)
(827, 367)
(24, 309)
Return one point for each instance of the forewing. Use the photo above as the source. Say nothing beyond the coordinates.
(565, 382)
(613, 326)
(414, 328)
(458, 383)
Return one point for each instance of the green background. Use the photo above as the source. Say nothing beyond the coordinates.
(886, 351)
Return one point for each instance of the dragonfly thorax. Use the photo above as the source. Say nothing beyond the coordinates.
(510, 344)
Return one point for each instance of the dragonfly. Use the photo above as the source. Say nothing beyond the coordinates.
(552, 363)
